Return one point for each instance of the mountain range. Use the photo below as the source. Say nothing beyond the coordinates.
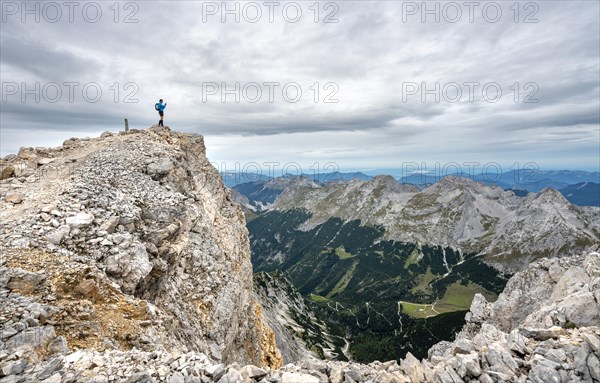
(386, 263)
(531, 180)
(455, 211)
(580, 187)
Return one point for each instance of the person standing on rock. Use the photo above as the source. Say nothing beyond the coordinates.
(160, 107)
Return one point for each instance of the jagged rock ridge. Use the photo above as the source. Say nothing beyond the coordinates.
(128, 240)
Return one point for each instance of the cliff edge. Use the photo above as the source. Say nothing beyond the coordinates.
(126, 241)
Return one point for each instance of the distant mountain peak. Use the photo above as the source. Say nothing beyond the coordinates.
(550, 194)
(457, 212)
(459, 181)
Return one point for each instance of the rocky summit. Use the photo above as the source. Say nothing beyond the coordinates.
(126, 241)
(124, 259)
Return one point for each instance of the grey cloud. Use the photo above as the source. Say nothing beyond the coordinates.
(369, 54)
(42, 59)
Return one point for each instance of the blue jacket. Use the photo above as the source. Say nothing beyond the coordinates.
(161, 106)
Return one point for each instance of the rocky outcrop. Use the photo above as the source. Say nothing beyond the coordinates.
(561, 292)
(543, 328)
(128, 240)
(506, 341)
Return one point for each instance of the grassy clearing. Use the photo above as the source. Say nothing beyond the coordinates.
(318, 298)
(461, 296)
(457, 298)
(342, 254)
(417, 310)
(343, 282)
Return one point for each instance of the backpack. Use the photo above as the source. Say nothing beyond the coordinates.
(156, 106)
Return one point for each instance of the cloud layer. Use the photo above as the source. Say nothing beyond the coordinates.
(376, 60)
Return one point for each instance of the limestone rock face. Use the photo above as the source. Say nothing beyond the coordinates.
(551, 292)
(544, 327)
(134, 242)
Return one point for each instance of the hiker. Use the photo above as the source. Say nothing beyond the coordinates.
(161, 111)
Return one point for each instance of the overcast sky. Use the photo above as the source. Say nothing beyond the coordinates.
(373, 57)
